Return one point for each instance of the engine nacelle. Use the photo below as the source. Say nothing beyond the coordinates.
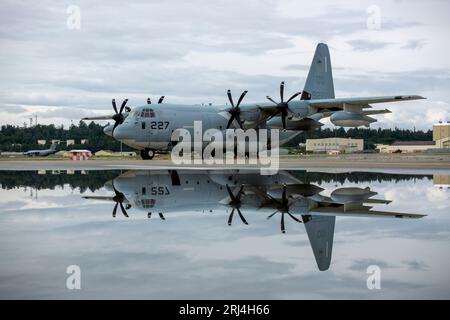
(304, 124)
(350, 119)
(351, 194)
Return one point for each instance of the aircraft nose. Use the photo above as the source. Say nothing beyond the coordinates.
(119, 132)
(108, 130)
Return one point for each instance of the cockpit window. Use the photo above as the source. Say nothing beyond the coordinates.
(147, 113)
(147, 203)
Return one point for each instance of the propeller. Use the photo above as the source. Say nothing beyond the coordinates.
(235, 204)
(160, 100)
(118, 117)
(283, 106)
(118, 198)
(235, 111)
(283, 207)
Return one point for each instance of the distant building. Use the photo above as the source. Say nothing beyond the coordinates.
(336, 145)
(41, 142)
(441, 137)
(441, 180)
(406, 146)
(84, 141)
(109, 153)
(70, 142)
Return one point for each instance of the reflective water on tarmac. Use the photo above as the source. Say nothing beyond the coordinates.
(224, 234)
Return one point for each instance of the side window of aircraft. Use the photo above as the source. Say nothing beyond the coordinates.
(143, 124)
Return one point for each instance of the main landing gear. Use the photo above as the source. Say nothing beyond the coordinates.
(147, 154)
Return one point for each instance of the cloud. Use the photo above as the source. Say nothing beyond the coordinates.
(364, 45)
(416, 265)
(414, 44)
(193, 52)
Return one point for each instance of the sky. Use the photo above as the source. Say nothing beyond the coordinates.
(61, 68)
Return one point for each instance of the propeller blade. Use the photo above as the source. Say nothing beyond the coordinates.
(271, 215)
(114, 128)
(115, 210)
(230, 218)
(161, 100)
(293, 96)
(240, 192)
(282, 223)
(114, 105)
(238, 119)
(241, 216)
(273, 115)
(294, 218)
(123, 105)
(149, 101)
(270, 99)
(230, 121)
(283, 197)
(241, 97)
(233, 198)
(282, 91)
(283, 119)
(123, 209)
(230, 98)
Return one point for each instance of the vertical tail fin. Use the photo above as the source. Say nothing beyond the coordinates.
(319, 83)
(53, 146)
(320, 230)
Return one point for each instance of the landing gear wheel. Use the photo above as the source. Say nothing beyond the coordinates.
(147, 154)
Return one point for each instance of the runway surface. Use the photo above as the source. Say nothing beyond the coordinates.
(392, 164)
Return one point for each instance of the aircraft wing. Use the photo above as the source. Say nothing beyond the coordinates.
(361, 211)
(98, 118)
(361, 102)
(103, 198)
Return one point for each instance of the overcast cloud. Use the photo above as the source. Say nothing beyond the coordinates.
(193, 51)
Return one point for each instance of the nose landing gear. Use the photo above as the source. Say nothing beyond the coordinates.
(147, 154)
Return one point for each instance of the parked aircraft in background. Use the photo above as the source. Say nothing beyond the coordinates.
(149, 127)
(42, 153)
(239, 192)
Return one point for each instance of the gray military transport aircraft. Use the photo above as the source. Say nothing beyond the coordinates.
(42, 153)
(149, 127)
(180, 191)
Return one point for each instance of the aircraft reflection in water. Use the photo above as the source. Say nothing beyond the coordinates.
(243, 191)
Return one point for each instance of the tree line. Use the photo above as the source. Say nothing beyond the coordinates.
(15, 138)
(371, 136)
